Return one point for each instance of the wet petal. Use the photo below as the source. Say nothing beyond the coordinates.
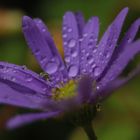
(120, 63)
(22, 76)
(80, 22)
(116, 84)
(21, 120)
(39, 46)
(22, 87)
(88, 46)
(52, 46)
(108, 43)
(71, 43)
(130, 34)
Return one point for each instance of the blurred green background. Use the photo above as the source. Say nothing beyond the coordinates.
(120, 115)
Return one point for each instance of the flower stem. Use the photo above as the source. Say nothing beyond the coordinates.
(90, 132)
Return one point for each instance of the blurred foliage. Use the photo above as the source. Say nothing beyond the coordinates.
(120, 117)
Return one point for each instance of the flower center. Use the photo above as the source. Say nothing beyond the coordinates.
(66, 91)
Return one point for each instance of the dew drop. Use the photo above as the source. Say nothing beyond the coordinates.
(97, 71)
(81, 39)
(97, 87)
(65, 43)
(90, 59)
(73, 70)
(64, 28)
(67, 59)
(129, 40)
(83, 51)
(64, 35)
(43, 30)
(95, 50)
(74, 53)
(44, 89)
(29, 78)
(13, 79)
(107, 55)
(51, 68)
(70, 30)
(85, 34)
(72, 43)
(93, 65)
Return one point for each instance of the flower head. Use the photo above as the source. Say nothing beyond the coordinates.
(90, 72)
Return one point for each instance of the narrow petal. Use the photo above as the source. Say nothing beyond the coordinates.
(127, 39)
(116, 84)
(88, 46)
(80, 22)
(20, 75)
(16, 95)
(44, 30)
(39, 46)
(120, 63)
(21, 87)
(21, 120)
(108, 43)
(130, 35)
(71, 43)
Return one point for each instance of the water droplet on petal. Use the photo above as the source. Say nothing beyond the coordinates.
(13, 79)
(90, 59)
(64, 35)
(93, 65)
(73, 70)
(44, 89)
(81, 39)
(107, 55)
(85, 34)
(65, 43)
(29, 78)
(51, 68)
(42, 59)
(97, 71)
(70, 30)
(67, 59)
(43, 30)
(74, 53)
(64, 28)
(97, 87)
(72, 43)
(95, 50)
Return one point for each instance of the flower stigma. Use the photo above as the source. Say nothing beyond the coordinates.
(65, 91)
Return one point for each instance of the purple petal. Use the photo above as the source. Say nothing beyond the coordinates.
(71, 43)
(128, 38)
(130, 34)
(23, 77)
(39, 46)
(116, 84)
(52, 46)
(88, 46)
(108, 43)
(21, 120)
(22, 87)
(80, 22)
(85, 89)
(119, 64)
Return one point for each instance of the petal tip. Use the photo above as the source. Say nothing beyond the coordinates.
(26, 20)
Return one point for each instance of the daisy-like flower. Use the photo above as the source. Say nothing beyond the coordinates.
(74, 87)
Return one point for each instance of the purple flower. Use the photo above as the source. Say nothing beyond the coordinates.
(91, 70)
